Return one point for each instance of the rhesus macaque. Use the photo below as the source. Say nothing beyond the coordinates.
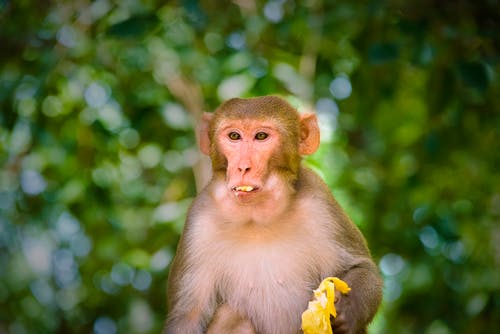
(265, 231)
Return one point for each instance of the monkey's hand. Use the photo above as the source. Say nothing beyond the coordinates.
(344, 319)
(316, 319)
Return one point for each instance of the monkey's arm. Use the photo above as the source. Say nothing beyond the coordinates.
(356, 309)
(190, 291)
(185, 310)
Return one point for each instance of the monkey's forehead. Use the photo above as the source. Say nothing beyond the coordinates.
(257, 107)
(260, 102)
(252, 125)
(246, 123)
(255, 112)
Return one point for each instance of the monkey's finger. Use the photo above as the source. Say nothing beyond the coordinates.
(338, 296)
(339, 325)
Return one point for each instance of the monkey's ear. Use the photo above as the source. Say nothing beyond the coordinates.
(309, 134)
(203, 137)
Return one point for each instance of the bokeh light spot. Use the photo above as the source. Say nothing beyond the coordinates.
(391, 264)
(32, 182)
(340, 87)
(104, 325)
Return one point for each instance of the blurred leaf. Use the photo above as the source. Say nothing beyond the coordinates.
(474, 74)
(381, 53)
(138, 258)
(133, 27)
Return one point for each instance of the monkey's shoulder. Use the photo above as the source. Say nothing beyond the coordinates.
(318, 197)
(309, 181)
(311, 186)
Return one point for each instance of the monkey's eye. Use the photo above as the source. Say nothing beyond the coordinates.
(261, 135)
(234, 135)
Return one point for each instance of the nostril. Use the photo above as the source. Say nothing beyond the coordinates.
(243, 169)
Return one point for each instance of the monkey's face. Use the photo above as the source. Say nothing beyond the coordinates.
(248, 150)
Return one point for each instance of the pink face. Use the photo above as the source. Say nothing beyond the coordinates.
(248, 146)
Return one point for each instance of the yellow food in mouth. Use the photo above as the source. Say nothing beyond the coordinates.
(244, 188)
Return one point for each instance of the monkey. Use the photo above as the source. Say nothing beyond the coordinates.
(265, 231)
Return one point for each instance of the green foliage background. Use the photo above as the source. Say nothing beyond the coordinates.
(98, 103)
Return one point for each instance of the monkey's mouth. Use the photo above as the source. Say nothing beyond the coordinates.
(244, 189)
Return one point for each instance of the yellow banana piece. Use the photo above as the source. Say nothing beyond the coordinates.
(316, 319)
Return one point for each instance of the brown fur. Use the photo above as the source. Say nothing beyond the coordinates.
(247, 263)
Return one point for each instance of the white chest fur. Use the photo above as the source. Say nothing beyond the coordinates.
(264, 272)
(267, 282)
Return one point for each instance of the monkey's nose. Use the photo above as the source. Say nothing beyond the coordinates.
(243, 170)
